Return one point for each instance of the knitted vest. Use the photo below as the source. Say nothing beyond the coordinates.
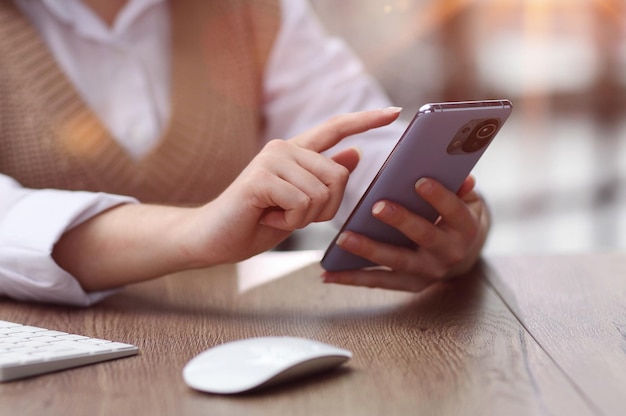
(49, 138)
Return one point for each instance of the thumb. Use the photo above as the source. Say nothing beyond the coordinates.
(349, 158)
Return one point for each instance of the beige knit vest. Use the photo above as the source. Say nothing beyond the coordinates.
(49, 138)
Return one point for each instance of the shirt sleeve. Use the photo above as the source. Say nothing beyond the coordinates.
(312, 76)
(31, 222)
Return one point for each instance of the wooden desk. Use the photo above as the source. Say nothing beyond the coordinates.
(518, 336)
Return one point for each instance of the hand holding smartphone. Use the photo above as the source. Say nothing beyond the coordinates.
(444, 141)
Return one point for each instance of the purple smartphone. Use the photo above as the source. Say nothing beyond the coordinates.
(443, 141)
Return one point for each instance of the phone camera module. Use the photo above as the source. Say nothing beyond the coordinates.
(473, 136)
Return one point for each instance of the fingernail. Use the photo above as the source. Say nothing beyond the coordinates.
(378, 208)
(358, 151)
(348, 241)
(341, 239)
(392, 110)
(423, 185)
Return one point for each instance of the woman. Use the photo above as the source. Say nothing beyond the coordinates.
(136, 142)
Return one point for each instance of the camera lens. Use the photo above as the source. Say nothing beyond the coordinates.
(483, 132)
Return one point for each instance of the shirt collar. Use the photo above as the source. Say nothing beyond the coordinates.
(76, 14)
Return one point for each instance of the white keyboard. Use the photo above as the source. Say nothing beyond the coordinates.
(27, 350)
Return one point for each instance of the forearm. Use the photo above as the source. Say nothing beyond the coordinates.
(126, 244)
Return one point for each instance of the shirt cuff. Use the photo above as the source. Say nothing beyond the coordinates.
(28, 234)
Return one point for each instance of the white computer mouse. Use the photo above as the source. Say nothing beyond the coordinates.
(243, 365)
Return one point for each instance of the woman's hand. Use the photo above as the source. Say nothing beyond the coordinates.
(448, 247)
(288, 185)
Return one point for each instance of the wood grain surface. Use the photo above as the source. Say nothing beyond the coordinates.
(575, 308)
(455, 349)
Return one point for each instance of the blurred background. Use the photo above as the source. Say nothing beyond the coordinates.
(555, 177)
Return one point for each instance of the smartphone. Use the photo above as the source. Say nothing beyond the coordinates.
(444, 141)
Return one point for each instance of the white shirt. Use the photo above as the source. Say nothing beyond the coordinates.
(123, 74)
